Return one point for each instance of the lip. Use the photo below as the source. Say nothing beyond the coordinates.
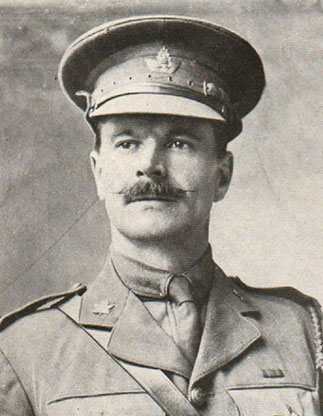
(159, 198)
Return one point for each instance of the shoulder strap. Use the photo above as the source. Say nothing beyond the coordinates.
(152, 380)
(286, 292)
(44, 302)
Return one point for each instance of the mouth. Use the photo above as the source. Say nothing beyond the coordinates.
(140, 198)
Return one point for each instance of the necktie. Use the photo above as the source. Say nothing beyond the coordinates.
(186, 316)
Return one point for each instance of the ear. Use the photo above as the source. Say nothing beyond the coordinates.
(225, 170)
(96, 169)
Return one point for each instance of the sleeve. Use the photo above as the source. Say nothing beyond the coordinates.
(317, 321)
(13, 399)
(321, 393)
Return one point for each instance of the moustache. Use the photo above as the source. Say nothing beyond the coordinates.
(142, 190)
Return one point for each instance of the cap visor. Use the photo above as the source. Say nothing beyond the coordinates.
(156, 104)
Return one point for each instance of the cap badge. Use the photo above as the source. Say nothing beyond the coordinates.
(163, 62)
(103, 308)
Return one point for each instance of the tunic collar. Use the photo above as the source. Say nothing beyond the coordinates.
(150, 282)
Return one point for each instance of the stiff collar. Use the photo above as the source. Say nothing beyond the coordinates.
(150, 282)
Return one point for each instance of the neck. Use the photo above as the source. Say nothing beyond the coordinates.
(175, 254)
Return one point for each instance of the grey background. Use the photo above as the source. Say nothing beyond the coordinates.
(53, 231)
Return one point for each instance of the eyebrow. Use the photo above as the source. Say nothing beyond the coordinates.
(121, 132)
(184, 131)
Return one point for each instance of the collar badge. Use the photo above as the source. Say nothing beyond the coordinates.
(103, 308)
(292, 411)
(163, 62)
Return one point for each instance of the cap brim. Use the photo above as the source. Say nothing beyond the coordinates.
(156, 104)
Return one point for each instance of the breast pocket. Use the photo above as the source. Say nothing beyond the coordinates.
(116, 404)
(276, 401)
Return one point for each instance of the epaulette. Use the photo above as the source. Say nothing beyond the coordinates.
(286, 292)
(45, 302)
(308, 302)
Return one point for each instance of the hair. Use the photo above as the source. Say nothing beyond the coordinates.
(97, 140)
(94, 124)
(220, 129)
(220, 139)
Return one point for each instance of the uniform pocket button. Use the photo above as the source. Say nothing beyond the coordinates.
(198, 396)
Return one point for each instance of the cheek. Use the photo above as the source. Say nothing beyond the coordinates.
(198, 175)
(114, 174)
(108, 179)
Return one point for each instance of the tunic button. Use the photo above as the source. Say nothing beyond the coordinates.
(198, 396)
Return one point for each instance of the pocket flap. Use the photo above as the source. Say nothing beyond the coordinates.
(276, 401)
(118, 404)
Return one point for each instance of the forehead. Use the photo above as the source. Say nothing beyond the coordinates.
(156, 122)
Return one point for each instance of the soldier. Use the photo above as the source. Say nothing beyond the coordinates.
(162, 330)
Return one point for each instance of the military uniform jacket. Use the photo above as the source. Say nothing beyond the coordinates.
(258, 354)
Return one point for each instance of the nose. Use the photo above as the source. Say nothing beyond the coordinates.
(151, 162)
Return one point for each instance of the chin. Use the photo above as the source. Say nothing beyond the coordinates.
(148, 228)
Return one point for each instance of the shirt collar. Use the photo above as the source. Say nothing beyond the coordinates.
(151, 282)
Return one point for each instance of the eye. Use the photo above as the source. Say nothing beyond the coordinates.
(179, 144)
(127, 145)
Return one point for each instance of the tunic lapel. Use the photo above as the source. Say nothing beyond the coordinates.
(139, 339)
(136, 337)
(227, 332)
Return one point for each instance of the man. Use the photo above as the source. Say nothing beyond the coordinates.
(162, 330)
